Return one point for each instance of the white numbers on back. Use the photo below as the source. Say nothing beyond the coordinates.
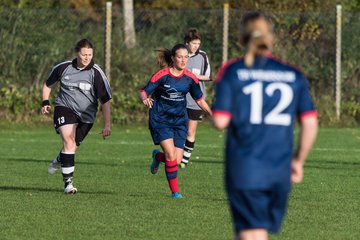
(276, 115)
(61, 120)
(255, 91)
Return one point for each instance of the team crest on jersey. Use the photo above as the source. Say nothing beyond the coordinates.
(85, 86)
(173, 95)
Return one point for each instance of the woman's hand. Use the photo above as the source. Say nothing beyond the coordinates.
(45, 109)
(148, 102)
(297, 171)
(106, 132)
(204, 106)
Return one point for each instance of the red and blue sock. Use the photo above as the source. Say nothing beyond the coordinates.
(160, 157)
(171, 170)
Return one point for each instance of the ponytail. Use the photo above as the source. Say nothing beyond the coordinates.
(164, 55)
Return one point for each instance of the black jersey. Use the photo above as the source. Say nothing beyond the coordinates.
(80, 89)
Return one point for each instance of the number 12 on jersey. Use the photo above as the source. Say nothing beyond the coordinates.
(276, 115)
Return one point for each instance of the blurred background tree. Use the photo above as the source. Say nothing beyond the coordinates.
(35, 35)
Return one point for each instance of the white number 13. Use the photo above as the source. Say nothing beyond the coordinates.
(275, 116)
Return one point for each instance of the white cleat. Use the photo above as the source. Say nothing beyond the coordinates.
(54, 167)
(70, 189)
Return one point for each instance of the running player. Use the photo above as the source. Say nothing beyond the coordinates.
(167, 116)
(199, 65)
(82, 84)
(258, 99)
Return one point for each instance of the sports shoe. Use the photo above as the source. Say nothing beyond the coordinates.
(54, 166)
(176, 195)
(154, 167)
(70, 189)
(184, 165)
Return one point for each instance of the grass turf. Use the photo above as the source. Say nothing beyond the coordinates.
(118, 198)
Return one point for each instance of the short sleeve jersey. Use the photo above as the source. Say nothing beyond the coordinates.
(169, 94)
(263, 102)
(198, 64)
(80, 90)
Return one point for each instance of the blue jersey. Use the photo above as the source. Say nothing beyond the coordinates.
(263, 102)
(169, 94)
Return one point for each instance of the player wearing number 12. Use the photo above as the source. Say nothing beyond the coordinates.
(259, 99)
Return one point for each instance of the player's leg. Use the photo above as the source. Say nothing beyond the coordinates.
(62, 116)
(67, 156)
(253, 234)
(194, 117)
(158, 157)
(82, 131)
(55, 165)
(179, 153)
(190, 142)
(179, 142)
(251, 213)
(171, 166)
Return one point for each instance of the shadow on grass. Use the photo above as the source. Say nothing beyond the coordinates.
(38, 189)
(31, 160)
(331, 164)
(334, 162)
(207, 162)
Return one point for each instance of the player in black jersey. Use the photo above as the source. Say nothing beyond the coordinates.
(82, 84)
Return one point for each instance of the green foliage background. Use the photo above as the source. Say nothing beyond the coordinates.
(34, 37)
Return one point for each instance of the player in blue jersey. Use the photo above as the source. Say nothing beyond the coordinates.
(165, 95)
(259, 99)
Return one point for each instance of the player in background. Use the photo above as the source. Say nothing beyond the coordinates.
(165, 96)
(82, 84)
(199, 65)
(258, 99)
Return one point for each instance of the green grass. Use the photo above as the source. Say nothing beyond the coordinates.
(119, 199)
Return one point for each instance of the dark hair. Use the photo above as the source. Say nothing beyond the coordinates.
(251, 17)
(164, 55)
(192, 34)
(83, 43)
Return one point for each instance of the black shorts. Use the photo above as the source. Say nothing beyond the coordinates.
(195, 115)
(64, 116)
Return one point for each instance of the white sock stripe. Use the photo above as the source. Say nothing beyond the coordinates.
(187, 154)
(185, 161)
(67, 170)
(68, 153)
(187, 148)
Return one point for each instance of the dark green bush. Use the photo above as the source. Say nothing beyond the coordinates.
(33, 40)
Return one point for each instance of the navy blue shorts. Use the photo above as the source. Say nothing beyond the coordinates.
(259, 208)
(177, 133)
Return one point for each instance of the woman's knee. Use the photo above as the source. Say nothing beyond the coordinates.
(191, 130)
(170, 155)
(69, 143)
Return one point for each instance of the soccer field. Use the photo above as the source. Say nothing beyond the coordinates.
(118, 198)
